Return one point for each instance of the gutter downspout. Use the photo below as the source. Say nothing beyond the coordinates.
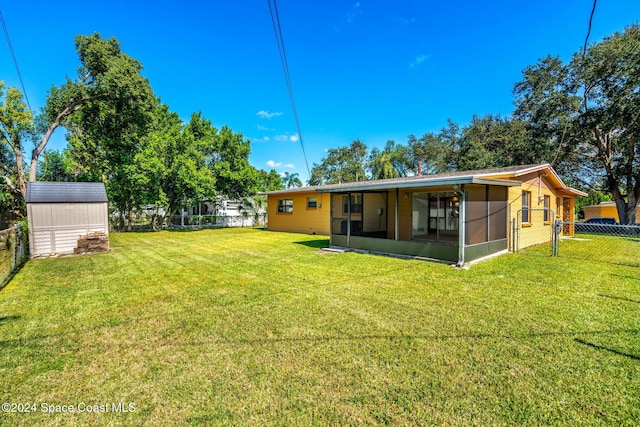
(461, 226)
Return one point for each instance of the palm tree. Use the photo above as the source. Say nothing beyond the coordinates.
(392, 162)
(291, 180)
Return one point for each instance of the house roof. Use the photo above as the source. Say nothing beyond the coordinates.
(66, 192)
(494, 176)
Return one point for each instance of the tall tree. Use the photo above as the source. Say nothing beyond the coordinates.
(108, 99)
(291, 180)
(175, 162)
(104, 107)
(184, 164)
(430, 154)
(492, 141)
(107, 109)
(343, 164)
(589, 108)
(229, 162)
(16, 126)
(55, 166)
(392, 162)
(269, 181)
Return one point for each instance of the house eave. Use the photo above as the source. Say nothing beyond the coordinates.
(419, 183)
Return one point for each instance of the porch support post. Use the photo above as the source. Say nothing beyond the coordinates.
(461, 226)
(397, 226)
(348, 220)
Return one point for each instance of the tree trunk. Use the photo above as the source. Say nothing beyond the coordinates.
(20, 176)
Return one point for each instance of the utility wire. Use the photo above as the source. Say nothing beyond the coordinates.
(15, 61)
(277, 29)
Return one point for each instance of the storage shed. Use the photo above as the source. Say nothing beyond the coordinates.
(60, 213)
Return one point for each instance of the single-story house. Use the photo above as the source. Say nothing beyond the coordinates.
(604, 210)
(59, 213)
(455, 217)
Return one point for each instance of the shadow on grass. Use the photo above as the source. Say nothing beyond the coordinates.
(4, 319)
(626, 277)
(619, 298)
(37, 340)
(599, 347)
(316, 244)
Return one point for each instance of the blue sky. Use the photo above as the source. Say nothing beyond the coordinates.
(368, 70)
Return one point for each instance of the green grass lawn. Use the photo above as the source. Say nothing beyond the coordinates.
(249, 327)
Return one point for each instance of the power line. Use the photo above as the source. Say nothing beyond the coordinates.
(15, 61)
(277, 29)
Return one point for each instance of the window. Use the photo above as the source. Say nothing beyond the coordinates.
(435, 216)
(356, 204)
(547, 207)
(526, 205)
(312, 202)
(285, 205)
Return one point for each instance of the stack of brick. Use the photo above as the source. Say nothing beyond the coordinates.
(92, 242)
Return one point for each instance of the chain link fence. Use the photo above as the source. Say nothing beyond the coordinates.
(14, 250)
(152, 222)
(608, 243)
(537, 232)
(218, 221)
(532, 231)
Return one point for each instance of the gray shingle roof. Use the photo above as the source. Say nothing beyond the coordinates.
(411, 181)
(66, 192)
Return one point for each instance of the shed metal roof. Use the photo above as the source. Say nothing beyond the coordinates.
(66, 192)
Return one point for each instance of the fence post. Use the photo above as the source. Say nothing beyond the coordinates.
(556, 237)
(14, 262)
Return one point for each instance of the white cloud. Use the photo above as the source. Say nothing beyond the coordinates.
(263, 139)
(273, 164)
(264, 128)
(287, 138)
(268, 114)
(355, 11)
(419, 60)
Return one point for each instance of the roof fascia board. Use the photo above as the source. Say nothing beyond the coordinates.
(418, 183)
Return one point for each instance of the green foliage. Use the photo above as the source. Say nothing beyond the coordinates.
(493, 142)
(269, 181)
(229, 162)
(586, 111)
(16, 126)
(343, 164)
(291, 180)
(182, 164)
(392, 162)
(431, 153)
(56, 166)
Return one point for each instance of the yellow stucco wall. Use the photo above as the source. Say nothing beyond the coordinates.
(536, 230)
(607, 210)
(302, 219)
